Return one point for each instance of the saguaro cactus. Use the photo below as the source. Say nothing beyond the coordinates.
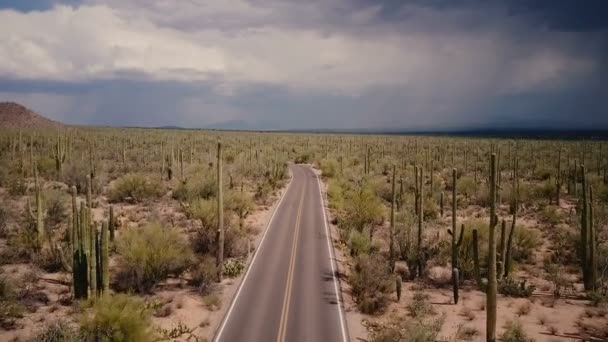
(391, 258)
(220, 215)
(104, 260)
(455, 280)
(37, 217)
(420, 221)
(112, 224)
(492, 284)
(588, 239)
(514, 209)
(456, 243)
(59, 155)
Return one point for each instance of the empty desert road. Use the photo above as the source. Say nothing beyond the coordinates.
(290, 293)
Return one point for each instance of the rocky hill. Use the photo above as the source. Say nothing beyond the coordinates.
(16, 116)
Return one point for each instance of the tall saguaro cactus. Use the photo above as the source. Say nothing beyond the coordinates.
(220, 215)
(492, 283)
(391, 257)
(420, 220)
(456, 243)
(588, 239)
(37, 217)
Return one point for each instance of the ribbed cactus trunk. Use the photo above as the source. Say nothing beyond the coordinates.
(93, 261)
(104, 260)
(503, 249)
(220, 216)
(39, 216)
(420, 222)
(492, 283)
(391, 256)
(112, 224)
(592, 245)
(80, 258)
(558, 181)
(455, 281)
(456, 243)
(514, 209)
(584, 244)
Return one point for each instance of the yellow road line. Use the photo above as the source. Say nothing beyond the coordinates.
(292, 264)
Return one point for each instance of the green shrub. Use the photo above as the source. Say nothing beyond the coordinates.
(363, 209)
(335, 195)
(514, 332)
(466, 186)
(551, 215)
(240, 203)
(204, 274)
(544, 191)
(329, 168)
(371, 283)
(360, 243)
(117, 318)
(56, 210)
(197, 187)
(431, 209)
(134, 188)
(150, 255)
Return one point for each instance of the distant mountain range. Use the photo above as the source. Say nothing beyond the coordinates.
(17, 116)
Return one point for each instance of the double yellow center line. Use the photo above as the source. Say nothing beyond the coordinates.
(292, 266)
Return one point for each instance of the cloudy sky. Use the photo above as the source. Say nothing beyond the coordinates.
(295, 64)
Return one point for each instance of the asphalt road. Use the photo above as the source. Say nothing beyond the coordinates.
(290, 292)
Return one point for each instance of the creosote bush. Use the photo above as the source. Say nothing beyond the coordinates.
(149, 255)
(117, 318)
(134, 188)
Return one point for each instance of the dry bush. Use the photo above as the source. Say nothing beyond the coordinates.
(514, 332)
(60, 331)
(420, 306)
(467, 333)
(524, 309)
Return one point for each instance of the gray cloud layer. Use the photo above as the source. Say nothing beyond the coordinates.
(316, 64)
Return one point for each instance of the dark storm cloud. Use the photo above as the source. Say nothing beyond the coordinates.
(277, 64)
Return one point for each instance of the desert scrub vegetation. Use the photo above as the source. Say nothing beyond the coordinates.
(135, 188)
(150, 255)
(539, 185)
(371, 283)
(115, 318)
(10, 308)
